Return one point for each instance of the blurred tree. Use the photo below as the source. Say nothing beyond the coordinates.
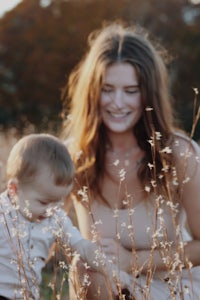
(42, 40)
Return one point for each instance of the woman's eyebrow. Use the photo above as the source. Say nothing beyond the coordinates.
(132, 86)
(135, 85)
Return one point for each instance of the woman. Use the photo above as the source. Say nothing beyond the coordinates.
(137, 178)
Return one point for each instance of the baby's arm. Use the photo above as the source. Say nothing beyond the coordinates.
(89, 252)
(97, 260)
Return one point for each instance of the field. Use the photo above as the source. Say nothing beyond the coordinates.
(7, 140)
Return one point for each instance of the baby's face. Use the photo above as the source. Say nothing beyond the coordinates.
(37, 199)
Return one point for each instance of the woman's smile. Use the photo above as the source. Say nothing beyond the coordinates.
(118, 115)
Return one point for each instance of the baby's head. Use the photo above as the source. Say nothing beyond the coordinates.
(40, 174)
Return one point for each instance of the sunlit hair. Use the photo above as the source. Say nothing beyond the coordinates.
(117, 43)
(34, 151)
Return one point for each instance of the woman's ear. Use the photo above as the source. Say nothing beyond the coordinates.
(12, 187)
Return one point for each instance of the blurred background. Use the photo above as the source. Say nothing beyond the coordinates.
(42, 40)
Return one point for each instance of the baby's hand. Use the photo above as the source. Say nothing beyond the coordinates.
(124, 280)
(119, 280)
(124, 286)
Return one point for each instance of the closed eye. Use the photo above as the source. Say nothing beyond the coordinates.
(43, 202)
(131, 90)
(107, 89)
(51, 202)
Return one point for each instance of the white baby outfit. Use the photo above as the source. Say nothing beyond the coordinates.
(24, 248)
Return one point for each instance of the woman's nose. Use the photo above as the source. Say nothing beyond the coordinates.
(118, 99)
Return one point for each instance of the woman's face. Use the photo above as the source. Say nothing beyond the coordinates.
(120, 99)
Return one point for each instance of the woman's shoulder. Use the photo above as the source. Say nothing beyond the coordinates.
(186, 152)
(182, 143)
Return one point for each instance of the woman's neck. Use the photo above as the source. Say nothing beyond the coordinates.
(122, 143)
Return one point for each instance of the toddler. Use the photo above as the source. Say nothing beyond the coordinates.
(40, 175)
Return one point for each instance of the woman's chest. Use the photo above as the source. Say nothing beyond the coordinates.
(123, 190)
(142, 226)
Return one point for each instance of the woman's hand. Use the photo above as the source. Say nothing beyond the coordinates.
(125, 259)
(117, 253)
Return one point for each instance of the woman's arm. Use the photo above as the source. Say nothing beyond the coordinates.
(188, 167)
(192, 250)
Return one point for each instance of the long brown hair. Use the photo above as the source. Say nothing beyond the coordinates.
(118, 43)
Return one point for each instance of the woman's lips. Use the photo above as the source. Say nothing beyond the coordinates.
(118, 115)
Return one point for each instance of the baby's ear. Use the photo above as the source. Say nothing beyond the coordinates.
(12, 187)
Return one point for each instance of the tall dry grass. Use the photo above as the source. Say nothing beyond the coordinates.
(7, 140)
(55, 275)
